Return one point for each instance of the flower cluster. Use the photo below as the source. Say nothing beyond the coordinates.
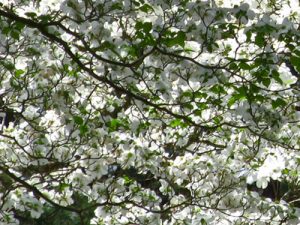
(150, 112)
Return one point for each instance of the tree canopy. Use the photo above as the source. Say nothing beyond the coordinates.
(149, 112)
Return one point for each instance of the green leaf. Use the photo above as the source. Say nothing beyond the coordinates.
(116, 6)
(233, 66)
(203, 221)
(276, 76)
(290, 46)
(127, 180)
(178, 39)
(146, 8)
(107, 45)
(241, 93)
(199, 94)
(266, 82)
(45, 18)
(248, 35)
(83, 129)
(231, 101)
(253, 88)
(5, 30)
(226, 34)
(32, 15)
(259, 98)
(144, 27)
(18, 73)
(218, 119)
(259, 40)
(19, 26)
(136, 3)
(188, 106)
(297, 52)
(114, 124)
(8, 65)
(202, 105)
(33, 51)
(78, 120)
(242, 90)
(285, 171)
(209, 48)
(295, 62)
(188, 94)
(197, 112)
(279, 102)
(63, 186)
(244, 66)
(177, 123)
(15, 34)
(258, 62)
(82, 109)
(218, 89)
(147, 27)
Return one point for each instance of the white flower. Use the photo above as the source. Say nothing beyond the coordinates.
(286, 76)
(271, 168)
(262, 182)
(50, 118)
(31, 112)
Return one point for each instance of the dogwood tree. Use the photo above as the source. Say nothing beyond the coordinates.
(149, 112)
